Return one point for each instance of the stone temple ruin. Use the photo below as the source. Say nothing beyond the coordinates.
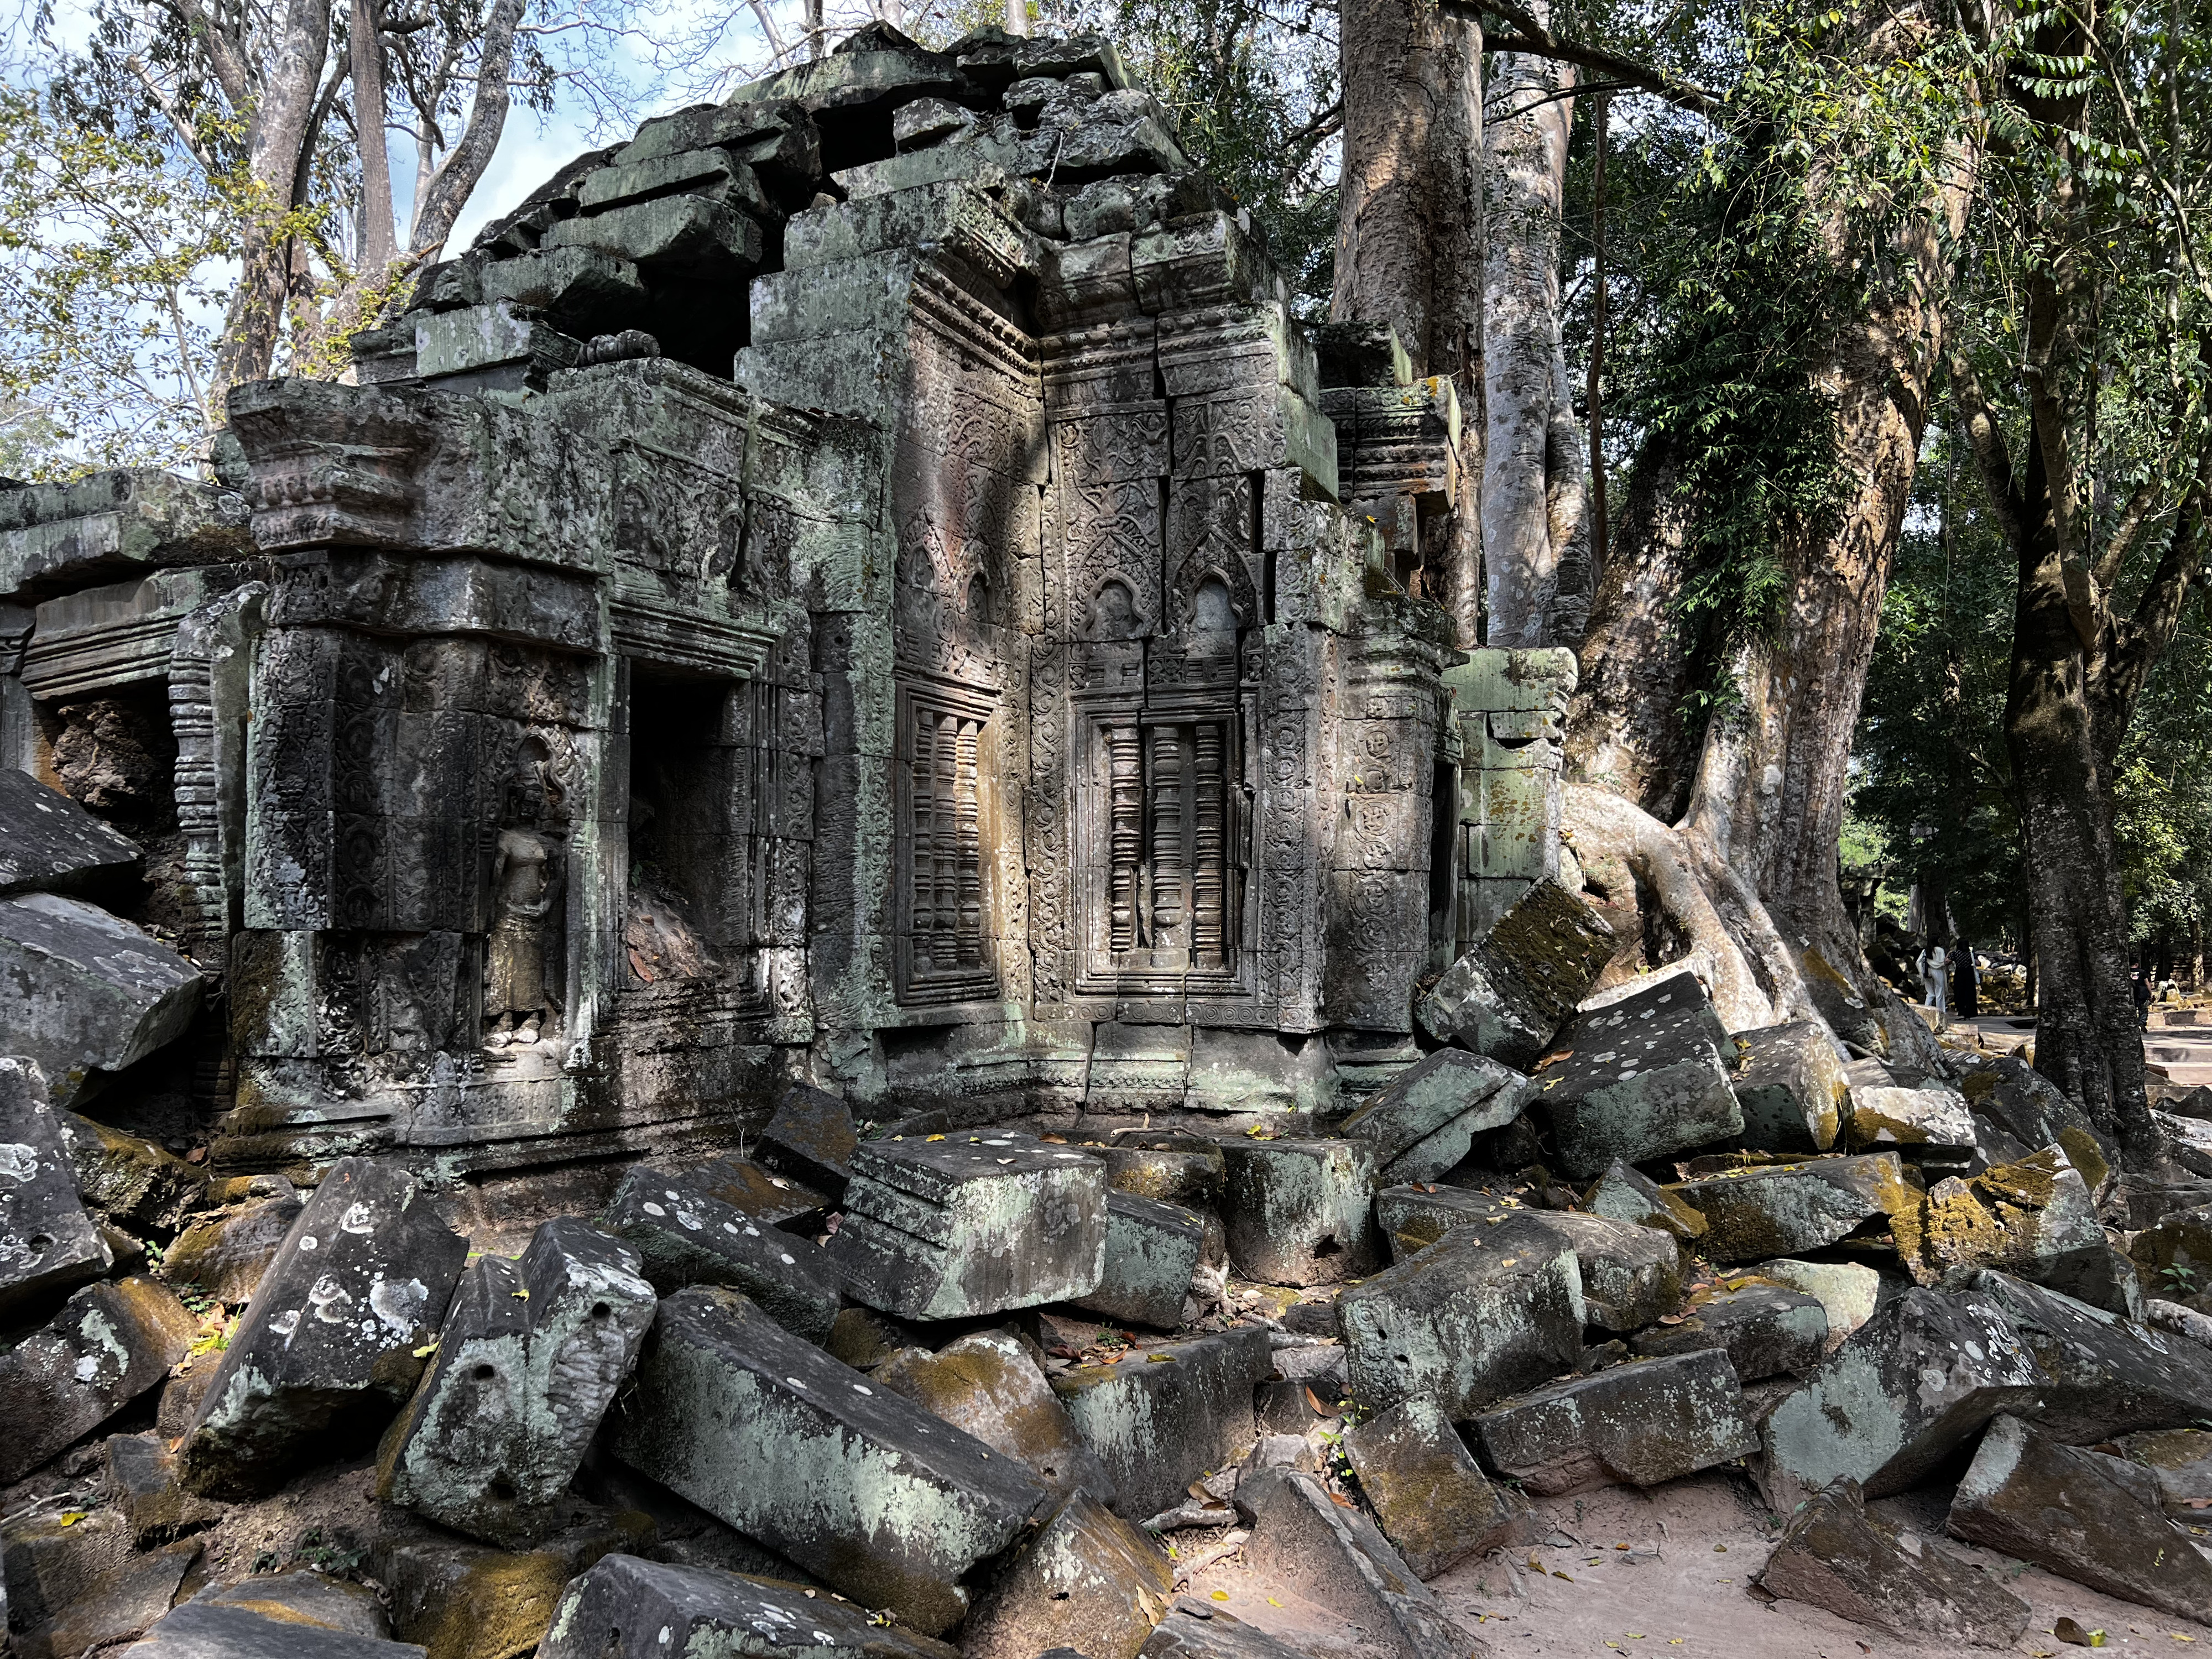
(823, 814)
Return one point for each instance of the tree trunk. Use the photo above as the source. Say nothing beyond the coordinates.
(378, 241)
(459, 174)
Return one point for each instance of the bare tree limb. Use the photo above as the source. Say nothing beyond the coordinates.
(1532, 38)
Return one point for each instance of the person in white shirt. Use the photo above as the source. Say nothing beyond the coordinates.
(1934, 971)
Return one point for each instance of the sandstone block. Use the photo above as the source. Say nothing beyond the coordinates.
(464, 1600)
(109, 1345)
(1414, 1216)
(883, 1501)
(1639, 1079)
(1169, 1412)
(2034, 1218)
(1628, 1195)
(772, 1200)
(1631, 1275)
(48, 844)
(215, 1629)
(139, 1475)
(1167, 1167)
(48, 1243)
(1335, 1556)
(86, 991)
(970, 1224)
(1509, 995)
(619, 1609)
(2027, 1107)
(1481, 1314)
(1859, 1567)
(812, 1139)
(684, 1236)
(301, 1595)
(131, 1180)
(1765, 1330)
(1781, 1209)
(1087, 1578)
(1423, 1120)
(1638, 1423)
(2179, 1460)
(112, 1608)
(2103, 1375)
(48, 1561)
(1936, 1116)
(1151, 1252)
(225, 1255)
(1791, 1087)
(987, 1385)
(1300, 1211)
(1196, 1631)
(363, 1279)
(1846, 1291)
(1432, 1498)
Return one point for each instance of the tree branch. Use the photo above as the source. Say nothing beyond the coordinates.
(1985, 438)
(2133, 517)
(1535, 40)
(458, 173)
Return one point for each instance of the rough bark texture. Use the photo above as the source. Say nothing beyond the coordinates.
(379, 244)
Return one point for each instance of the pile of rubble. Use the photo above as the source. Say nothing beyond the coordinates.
(888, 1387)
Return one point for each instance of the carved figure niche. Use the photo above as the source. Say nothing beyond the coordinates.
(682, 856)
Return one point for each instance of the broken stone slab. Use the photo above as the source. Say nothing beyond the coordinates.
(1626, 1193)
(108, 1345)
(987, 1385)
(528, 1360)
(2029, 1108)
(1909, 1388)
(965, 1225)
(2103, 1374)
(1513, 989)
(1631, 1275)
(627, 1607)
(1432, 1497)
(112, 1608)
(1791, 1087)
(812, 1139)
(1782, 1209)
(884, 1501)
(1166, 1166)
(216, 1630)
(2174, 1255)
(2081, 1515)
(1151, 1252)
(774, 1200)
(1334, 1555)
(363, 1279)
(1087, 1576)
(1847, 1292)
(464, 1600)
(1416, 1215)
(1765, 1330)
(1167, 1412)
(684, 1236)
(1422, 1122)
(1835, 1555)
(48, 1243)
(138, 1471)
(2180, 1461)
(1194, 1630)
(1482, 1313)
(131, 1180)
(1638, 1423)
(88, 991)
(2034, 1218)
(49, 1560)
(1934, 1114)
(301, 1595)
(1639, 1079)
(1300, 1211)
(224, 1256)
(50, 844)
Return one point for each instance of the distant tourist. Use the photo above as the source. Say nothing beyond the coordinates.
(2143, 999)
(1934, 969)
(1965, 982)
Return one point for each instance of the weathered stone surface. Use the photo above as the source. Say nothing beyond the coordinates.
(1415, 1216)
(1482, 1312)
(225, 1255)
(464, 1600)
(48, 1561)
(812, 1139)
(1847, 1292)
(1336, 1557)
(2027, 1107)
(1152, 1251)
(1087, 1576)
(1631, 1275)
(1166, 1166)
(1859, 1567)
(1907, 1388)
(1508, 995)
(301, 1595)
(1432, 1498)
(363, 1279)
(1167, 1414)
(1629, 1195)
(2033, 1218)
(1764, 1329)
(131, 1180)
(112, 1608)
(772, 1200)
(109, 1345)
(48, 844)
(1423, 1120)
(1931, 1115)
(1638, 1423)
(1300, 1211)
(48, 1244)
(2174, 1255)
(1783, 1208)
(621, 1608)
(2103, 1374)
(139, 1475)
(684, 1236)
(528, 1361)
(2081, 1515)
(886, 1502)
(2179, 1460)
(216, 1630)
(1195, 1630)
(1791, 1087)
(987, 1385)
(1637, 1079)
(970, 1224)
(86, 991)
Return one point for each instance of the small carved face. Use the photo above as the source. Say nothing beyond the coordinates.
(1113, 614)
(1211, 610)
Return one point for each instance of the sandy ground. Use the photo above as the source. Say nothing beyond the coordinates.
(1682, 1586)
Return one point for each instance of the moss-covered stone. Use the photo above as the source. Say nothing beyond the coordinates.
(1626, 1193)
(2034, 1218)
(1152, 1250)
(108, 1345)
(1300, 1211)
(1642, 1423)
(1087, 1579)
(987, 1385)
(1167, 1414)
(1508, 996)
(1434, 1502)
(621, 1607)
(1639, 1079)
(1782, 1209)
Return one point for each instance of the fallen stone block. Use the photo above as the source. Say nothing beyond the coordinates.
(864, 1339)
(1835, 1555)
(2081, 1515)
(1334, 1555)
(1415, 1216)
(1847, 1292)
(528, 1361)
(462, 1601)
(2174, 1255)
(1166, 1166)
(224, 1256)
(986, 1385)
(1631, 1275)
(1300, 1211)
(1422, 1122)
(86, 991)
(2029, 1109)
(1791, 1087)
(944, 1229)
(48, 1243)
(1910, 1387)
(1639, 1079)
(1194, 1630)
(884, 1501)
(772, 1199)
(2180, 1461)
(1510, 993)
(621, 1608)
(1434, 1502)
(48, 844)
(2034, 1218)
(112, 1609)
(1932, 1116)
(131, 1180)
(2103, 1375)
(49, 1561)
(301, 1595)
(1151, 1252)
(1639, 1424)
(139, 1475)
(1168, 1412)
(215, 1629)
(1628, 1195)
(363, 1279)
(108, 1345)
(812, 1139)
(1482, 1313)
(1765, 1330)
(1785, 1208)
(1087, 1577)
(684, 1236)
